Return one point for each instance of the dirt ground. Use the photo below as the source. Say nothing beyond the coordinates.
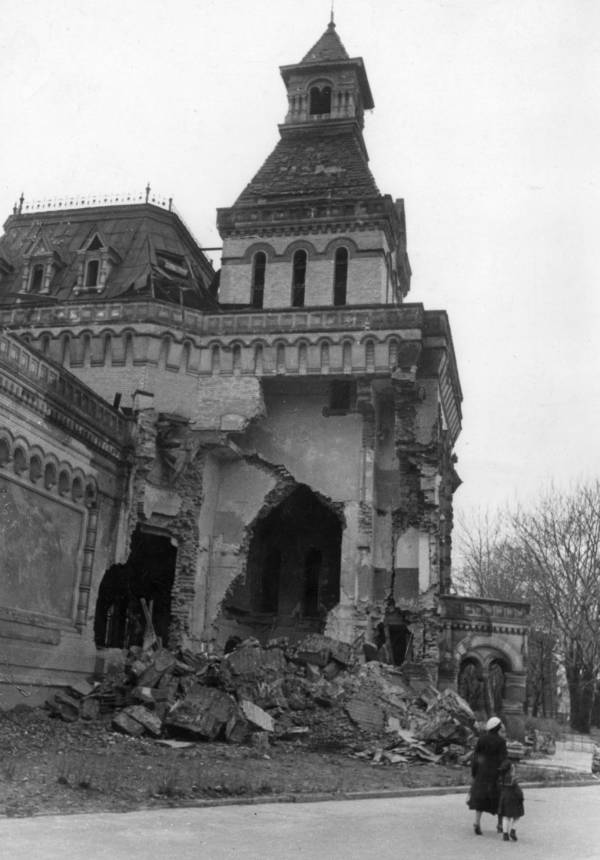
(50, 766)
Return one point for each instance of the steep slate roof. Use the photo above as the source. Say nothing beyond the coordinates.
(312, 165)
(135, 233)
(328, 47)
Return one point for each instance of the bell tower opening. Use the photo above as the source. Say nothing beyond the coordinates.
(320, 101)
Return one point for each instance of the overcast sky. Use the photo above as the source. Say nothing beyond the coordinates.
(486, 122)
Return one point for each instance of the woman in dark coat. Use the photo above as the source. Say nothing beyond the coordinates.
(490, 752)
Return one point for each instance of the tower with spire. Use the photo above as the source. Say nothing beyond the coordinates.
(311, 228)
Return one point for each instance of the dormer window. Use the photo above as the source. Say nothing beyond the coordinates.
(320, 100)
(340, 276)
(96, 260)
(298, 279)
(92, 271)
(41, 262)
(36, 278)
(258, 279)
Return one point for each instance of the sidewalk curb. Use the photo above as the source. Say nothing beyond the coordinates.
(317, 797)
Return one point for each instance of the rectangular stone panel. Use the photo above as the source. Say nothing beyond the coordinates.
(40, 540)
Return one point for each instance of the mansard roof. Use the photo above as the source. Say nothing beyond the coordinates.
(312, 165)
(140, 238)
(328, 47)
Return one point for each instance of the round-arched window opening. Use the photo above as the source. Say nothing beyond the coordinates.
(4, 452)
(299, 264)
(35, 469)
(90, 495)
(20, 461)
(320, 101)
(259, 266)
(50, 476)
(77, 490)
(340, 277)
(64, 483)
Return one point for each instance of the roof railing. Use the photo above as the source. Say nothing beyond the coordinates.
(87, 201)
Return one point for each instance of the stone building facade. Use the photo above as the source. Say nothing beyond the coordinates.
(281, 432)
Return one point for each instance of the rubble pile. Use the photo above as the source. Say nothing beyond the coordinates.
(316, 692)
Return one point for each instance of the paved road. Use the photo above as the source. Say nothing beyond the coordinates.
(560, 824)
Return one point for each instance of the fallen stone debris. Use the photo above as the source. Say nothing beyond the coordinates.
(316, 693)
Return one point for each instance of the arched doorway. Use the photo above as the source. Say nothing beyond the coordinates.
(483, 685)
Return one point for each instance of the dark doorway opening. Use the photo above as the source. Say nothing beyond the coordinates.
(147, 575)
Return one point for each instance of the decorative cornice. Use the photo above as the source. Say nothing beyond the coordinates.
(60, 398)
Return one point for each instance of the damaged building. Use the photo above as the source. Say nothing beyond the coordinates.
(265, 451)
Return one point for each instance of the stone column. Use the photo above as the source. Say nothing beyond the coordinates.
(512, 704)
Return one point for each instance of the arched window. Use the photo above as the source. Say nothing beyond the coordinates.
(258, 279)
(320, 100)
(340, 276)
(302, 358)
(215, 360)
(237, 359)
(258, 359)
(280, 358)
(298, 279)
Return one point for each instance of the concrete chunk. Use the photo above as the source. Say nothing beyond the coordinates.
(257, 718)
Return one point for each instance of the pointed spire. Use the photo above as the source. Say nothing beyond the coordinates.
(328, 47)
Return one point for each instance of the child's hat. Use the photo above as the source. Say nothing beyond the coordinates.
(492, 723)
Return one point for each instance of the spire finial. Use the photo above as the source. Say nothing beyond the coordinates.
(331, 21)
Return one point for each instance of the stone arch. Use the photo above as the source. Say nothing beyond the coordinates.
(299, 245)
(267, 249)
(487, 664)
(341, 242)
(487, 647)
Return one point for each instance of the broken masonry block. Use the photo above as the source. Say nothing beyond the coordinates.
(249, 659)
(122, 722)
(341, 652)
(89, 708)
(148, 719)
(203, 715)
(257, 718)
(317, 657)
(366, 713)
(80, 689)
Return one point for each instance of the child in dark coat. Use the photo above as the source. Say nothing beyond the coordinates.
(510, 805)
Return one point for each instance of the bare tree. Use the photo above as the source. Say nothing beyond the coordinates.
(491, 563)
(560, 539)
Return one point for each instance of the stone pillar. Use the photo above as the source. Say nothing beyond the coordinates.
(512, 704)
